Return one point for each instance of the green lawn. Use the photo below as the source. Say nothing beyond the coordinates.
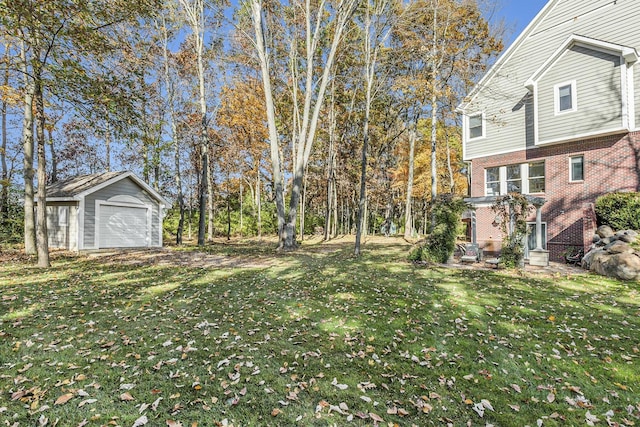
(317, 338)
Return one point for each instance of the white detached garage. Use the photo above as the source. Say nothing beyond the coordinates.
(106, 210)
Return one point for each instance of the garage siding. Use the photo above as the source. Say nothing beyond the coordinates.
(123, 187)
(62, 232)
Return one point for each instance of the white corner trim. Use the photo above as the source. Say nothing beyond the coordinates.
(81, 224)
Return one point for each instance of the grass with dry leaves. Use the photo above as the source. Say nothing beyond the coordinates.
(314, 338)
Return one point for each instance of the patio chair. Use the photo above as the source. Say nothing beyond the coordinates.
(472, 254)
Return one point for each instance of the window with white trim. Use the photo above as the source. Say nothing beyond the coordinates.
(492, 180)
(524, 178)
(476, 126)
(514, 179)
(576, 168)
(565, 97)
(536, 177)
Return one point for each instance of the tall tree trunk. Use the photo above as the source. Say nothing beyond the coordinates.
(363, 175)
(4, 194)
(261, 50)
(303, 202)
(41, 229)
(174, 129)
(52, 150)
(259, 205)
(434, 146)
(28, 150)
(228, 210)
(107, 147)
(241, 206)
(408, 215)
(334, 204)
(210, 204)
(452, 182)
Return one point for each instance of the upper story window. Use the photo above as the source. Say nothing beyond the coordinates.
(576, 168)
(476, 126)
(565, 97)
(536, 177)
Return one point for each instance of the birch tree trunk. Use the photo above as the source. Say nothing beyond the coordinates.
(375, 35)
(41, 229)
(195, 16)
(314, 93)
(408, 215)
(28, 149)
(4, 179)
(174, 131)
(263, 56)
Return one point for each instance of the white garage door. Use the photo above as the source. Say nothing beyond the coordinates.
(123, 227)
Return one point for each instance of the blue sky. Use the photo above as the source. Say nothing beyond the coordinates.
(517, 14)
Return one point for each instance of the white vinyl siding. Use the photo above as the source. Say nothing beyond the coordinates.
(62, 226)
(501, 95)
(598, 95)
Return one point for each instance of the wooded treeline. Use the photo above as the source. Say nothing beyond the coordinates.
(323, 116)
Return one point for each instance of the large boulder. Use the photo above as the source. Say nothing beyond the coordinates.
(618, 247)
(604, 231)
(625, 266)
(613, 255)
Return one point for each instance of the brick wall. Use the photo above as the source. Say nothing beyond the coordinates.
(611, 164)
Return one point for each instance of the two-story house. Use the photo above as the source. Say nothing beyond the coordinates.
(557, 117)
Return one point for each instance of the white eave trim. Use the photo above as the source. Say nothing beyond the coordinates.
(628, 53)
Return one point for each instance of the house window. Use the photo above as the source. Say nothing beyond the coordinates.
(576, 168)
(493, 181)
(476, 126)
(536, 177)
(565, 97)
(514, 179)
(63, 215)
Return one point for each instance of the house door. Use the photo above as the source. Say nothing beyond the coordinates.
(531, 237)
(123, 226)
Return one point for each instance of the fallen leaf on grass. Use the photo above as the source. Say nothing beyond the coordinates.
(171, 423)
(340, 386)
(63, 399)
(376, 417)
(275, 412)
(126, 397)
(86, 402)
(143, 420)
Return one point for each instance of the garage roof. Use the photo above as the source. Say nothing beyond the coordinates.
(78, 187)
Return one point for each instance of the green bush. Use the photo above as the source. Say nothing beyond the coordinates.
(440, 244)
(620, 211)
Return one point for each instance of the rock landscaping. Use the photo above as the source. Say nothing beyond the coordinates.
(613, 254)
